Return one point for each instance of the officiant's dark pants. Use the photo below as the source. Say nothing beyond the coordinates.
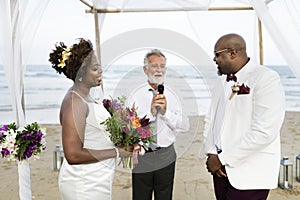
(225, 191)
(154, 173)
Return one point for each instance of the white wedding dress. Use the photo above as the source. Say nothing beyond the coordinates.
(90, 181)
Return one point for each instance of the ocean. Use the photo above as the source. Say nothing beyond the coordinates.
(44, 89)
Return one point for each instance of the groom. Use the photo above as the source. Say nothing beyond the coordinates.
(242, 130)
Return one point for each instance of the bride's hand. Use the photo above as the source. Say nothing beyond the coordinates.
(125, 151)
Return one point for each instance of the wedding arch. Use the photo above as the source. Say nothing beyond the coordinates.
(16, 16)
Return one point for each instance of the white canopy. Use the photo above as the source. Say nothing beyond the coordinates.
(268, 11)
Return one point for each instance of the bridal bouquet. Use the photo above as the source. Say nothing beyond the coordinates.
(22, 143)
(127, 129)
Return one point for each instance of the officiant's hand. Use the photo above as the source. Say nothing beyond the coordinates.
(159, 104)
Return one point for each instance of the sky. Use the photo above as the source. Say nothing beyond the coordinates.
(66, 20)
(63, 21)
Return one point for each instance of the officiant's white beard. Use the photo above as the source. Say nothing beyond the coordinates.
(155, 79)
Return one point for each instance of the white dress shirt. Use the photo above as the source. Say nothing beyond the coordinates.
(220, 113)
(165, 125)
(218, 123)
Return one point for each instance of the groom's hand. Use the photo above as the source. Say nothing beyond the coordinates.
(213, 163)
(220, 173)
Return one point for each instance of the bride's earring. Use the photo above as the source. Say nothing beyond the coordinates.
(80, 79)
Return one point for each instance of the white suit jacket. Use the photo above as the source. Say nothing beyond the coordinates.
(250, 133)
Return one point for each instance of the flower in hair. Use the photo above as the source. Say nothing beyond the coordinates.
(65, 56)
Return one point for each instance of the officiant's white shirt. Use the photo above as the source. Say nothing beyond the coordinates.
(167, 125)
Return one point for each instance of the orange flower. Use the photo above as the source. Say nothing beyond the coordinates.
(135, 122)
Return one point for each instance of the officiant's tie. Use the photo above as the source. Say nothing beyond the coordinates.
(151, 145)
(231, 77)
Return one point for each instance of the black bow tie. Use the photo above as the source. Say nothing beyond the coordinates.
(231, 77)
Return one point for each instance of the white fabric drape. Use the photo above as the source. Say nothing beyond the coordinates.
(287, 44)
(140, 5)
(19, 20)
(124, 5)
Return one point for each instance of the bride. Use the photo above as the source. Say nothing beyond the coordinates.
(88, 168)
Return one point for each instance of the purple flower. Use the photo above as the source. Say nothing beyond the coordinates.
(112, 105)
(25, 137)
(38, 137)
(117, 105)
(107, 104)
(4, 152)
(32, 148)
(1, 135)
(27, 153)
(4, 128)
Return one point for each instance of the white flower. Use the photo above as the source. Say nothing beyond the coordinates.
(65, 56)
(236, 87)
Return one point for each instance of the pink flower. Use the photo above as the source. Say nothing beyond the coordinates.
(145, 133)
(140, 130)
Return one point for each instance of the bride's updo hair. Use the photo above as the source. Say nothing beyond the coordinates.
(68, 60)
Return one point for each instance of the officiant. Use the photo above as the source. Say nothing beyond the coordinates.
(155, 170)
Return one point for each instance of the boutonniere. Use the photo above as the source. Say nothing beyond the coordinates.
(238, 88)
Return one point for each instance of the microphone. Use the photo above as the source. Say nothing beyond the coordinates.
(160, 89)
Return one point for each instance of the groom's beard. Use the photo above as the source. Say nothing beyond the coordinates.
(219, 72)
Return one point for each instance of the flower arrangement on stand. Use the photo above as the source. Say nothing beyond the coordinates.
(127, 129)
(22, 143)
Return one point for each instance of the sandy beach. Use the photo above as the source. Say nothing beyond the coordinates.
(192, 181)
